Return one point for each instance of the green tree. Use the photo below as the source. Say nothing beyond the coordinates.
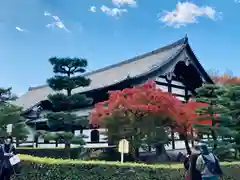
(11, 114)
(140, 130)
(68, 76)
(221, 130)
(232, 102)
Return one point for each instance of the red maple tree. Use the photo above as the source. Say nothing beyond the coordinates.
(143, 99)
(148, 99)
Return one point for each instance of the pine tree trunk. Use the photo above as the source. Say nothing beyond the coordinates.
(212, 131)
(69, 92)
(149, 148)
(36, 141)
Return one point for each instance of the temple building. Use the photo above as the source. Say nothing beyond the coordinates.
(174, 67)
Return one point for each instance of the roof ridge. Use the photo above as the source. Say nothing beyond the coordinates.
(169, 46)
(136, 58)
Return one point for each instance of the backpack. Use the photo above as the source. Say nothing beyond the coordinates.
(213, 167)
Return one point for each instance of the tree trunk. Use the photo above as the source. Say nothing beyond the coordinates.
(68, 149)
(188, 149)
(149, 148)
(134, 152)
(192, 134)
(36, 141)
(69, 92)
(172, 138)
(161, 152)
(212, 131)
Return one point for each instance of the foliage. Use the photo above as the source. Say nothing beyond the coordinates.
(218, 111)
(59, 152)
(11, 114)
(138, 114)
(36, 168)
(63, 137)
(70, 70)
(185, 117)
(65, 120)
(232, 102)
(226, 79)
(68, 76)
(142, 114)
(6, 95)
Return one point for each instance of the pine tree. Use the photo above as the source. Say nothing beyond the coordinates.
(218, 111)
(232, 102)
(68, 76)
(11, 114)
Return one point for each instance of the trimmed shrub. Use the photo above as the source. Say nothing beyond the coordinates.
(72, 153)
(36, 168)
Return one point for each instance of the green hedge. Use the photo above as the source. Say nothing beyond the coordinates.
(35, 168)
(73, 153)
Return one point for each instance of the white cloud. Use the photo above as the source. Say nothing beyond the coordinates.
(47, 14)
(93, 9)
(119, 3)
(56, 22)
(20, 29)
(187, 13)
(114, 12)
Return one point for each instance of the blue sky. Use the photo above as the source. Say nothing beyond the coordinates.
(109, 31)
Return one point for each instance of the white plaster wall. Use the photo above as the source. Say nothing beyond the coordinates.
(163, 88)
(178, 144)
(178, 91)
(83, 112)
(87, 133)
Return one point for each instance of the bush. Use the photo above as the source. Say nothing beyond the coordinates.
(36, 168)
(72, 153)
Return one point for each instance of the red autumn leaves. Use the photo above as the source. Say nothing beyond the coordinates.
(226, 79)
(148, 99)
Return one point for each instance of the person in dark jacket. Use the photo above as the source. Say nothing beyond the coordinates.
(7, 151)
(194, 174)
(186, 163)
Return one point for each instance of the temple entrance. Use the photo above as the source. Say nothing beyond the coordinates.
(95, 136)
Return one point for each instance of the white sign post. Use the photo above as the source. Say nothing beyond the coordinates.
(9, 128)
(123, 148)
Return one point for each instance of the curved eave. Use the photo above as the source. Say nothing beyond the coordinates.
(199, 66)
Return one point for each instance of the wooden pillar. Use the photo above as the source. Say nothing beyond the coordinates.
(187, 99)
(172, 132)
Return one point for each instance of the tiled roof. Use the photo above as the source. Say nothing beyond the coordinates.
(110, 75)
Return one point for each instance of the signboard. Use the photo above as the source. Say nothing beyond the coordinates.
(9, 128)
(123, 148)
